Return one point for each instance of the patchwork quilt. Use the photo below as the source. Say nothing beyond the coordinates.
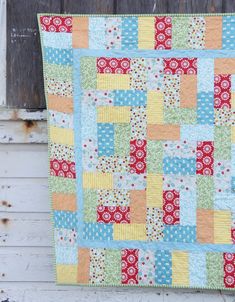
(141, 120)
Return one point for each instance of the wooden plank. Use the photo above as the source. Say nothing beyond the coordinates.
(197, 296)
(20, 229)
(27, 195)
(88, 7)
(169, 6)
(160, 7)
(23, 161)
(136, 7)
(22, 114)
(23, 132)
(50, 293)
(26, 264)
(24, 64)
(228, 6)
(3, 52)
(194, 6)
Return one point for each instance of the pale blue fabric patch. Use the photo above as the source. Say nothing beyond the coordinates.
(130, 33)
(105, 139)
(228, 35)
(196, 133)
(66, 255)
(163, 263)
(58, 56)
(188, 206)
(205, 108)
(179, 233)
(197, 269)
(205, 75)
(233, 83)
(57, 40)
(179, 165)
(88, 118)
(65, 219)
(129, 181)
(97, 33)
(60, 119)
(98, 231)
(224, 201)
(130, 98)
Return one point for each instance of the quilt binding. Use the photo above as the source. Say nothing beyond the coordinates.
(48, 157)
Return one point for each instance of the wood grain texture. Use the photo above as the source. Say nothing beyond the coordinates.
(18, 195)
(22, 114)
(194, 6)
(13, 132)
(228, 6)
(33, 229)
(26, 264)
(24, 64)
(3, 53)
(51, 293)
(88, 7)
(136, 7)
(23, 161)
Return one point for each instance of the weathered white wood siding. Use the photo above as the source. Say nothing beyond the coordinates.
(26, 254)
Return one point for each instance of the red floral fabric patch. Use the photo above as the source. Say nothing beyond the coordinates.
(109, 214)
(138, 156)
(205, 158)
(163, 31)
(180, 66)
(171, 207)
(56, 24)
(229, 270)
(222, 91)
(62, 168)
(130, 266)
(113, 65)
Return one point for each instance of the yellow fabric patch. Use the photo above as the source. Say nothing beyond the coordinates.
(233, 100)
(146, 32)
(222, 227)
(154, 190)
(113, 114)
(61, 135)
(154, 107)
(113, 81)
(97, 180)
(133, 231)
(233, 134)
(180, 268)
(66, 274)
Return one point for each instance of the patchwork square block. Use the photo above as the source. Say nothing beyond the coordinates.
(141, 116)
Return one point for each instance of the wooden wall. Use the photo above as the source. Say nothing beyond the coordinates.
(24, 65)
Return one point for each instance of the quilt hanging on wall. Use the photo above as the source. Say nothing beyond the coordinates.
(141, 120)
